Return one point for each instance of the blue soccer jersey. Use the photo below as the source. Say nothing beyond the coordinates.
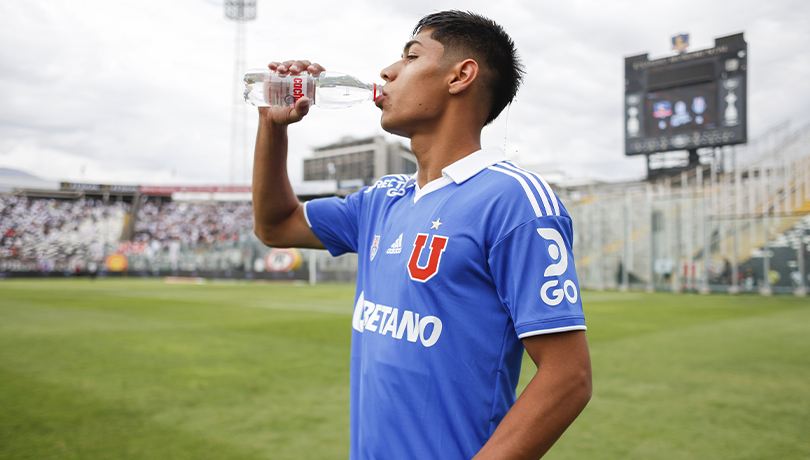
(450, 278)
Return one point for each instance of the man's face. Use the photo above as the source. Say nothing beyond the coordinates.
(415, 91)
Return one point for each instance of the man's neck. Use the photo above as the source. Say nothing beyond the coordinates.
(440, 148)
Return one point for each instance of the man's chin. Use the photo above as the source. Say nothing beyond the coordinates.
(391, 128)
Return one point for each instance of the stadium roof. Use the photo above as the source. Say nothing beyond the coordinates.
(12, 179)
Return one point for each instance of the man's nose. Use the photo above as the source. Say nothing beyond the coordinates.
(388, 73)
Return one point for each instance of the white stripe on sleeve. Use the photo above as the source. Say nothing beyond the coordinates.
(534, 182)
(551, 194)
(306, 216)
(532, 199)
(552, 331)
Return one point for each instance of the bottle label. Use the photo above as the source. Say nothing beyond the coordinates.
(284, 91)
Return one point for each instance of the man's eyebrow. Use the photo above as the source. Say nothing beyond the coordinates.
(409, 44)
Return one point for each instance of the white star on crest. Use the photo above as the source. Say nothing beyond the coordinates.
(436, 224)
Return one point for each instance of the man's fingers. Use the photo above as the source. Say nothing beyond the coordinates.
(296, 66)
(315, 69)
(284, 67)
(299, 66)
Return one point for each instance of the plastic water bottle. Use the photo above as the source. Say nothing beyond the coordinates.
(330, 90)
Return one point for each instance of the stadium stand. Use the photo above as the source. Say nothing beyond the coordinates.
(37, 231)
(734, 223)
(740, 222)
(193, 222)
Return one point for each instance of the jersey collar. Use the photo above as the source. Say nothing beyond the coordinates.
(473, 164)
(459, 171)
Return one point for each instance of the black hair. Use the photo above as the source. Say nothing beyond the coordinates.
(469, 35)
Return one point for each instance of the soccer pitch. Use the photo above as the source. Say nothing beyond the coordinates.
(140, 369)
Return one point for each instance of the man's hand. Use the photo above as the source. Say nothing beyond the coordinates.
(283, 116)
(278, 217)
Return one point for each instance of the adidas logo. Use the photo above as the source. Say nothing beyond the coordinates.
(395, 248)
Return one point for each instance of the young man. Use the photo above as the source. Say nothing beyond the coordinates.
(459, 267)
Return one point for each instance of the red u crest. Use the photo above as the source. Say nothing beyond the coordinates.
(437, 246)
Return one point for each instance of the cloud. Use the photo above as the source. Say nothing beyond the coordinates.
(138, 89)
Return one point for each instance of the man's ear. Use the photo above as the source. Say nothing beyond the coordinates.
(464, 74)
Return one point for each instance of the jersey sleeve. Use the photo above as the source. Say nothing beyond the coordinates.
(335, 222)
(534, 273)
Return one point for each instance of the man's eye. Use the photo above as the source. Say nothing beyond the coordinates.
(411, 56)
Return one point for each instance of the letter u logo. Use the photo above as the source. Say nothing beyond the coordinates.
(437, 246)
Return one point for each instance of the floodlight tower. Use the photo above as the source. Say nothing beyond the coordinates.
(240, 11)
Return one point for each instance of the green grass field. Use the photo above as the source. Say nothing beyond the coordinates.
(139, 369)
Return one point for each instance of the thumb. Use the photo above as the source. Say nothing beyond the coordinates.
(300, 109)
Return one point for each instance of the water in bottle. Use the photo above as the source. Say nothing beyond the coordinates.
(330, 90)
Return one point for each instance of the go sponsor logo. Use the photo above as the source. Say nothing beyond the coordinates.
(559, 254)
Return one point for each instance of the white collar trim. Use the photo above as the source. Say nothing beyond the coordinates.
(459, 171)
(473, 164)
(431, 186)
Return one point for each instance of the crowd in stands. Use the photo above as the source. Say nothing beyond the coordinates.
(36, 229)
(63, 233)
(193, 223)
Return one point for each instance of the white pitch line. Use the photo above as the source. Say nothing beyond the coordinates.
(298, 307)
(295, 307)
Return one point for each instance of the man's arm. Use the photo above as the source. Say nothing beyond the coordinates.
(278, 216)
(553, 399)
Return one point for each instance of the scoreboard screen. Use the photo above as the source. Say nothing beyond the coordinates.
(687, 101)
(681, 110)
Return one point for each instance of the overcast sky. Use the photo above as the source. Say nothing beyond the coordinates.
(140, 91)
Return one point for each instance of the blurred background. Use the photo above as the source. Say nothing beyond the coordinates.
(123, 133)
